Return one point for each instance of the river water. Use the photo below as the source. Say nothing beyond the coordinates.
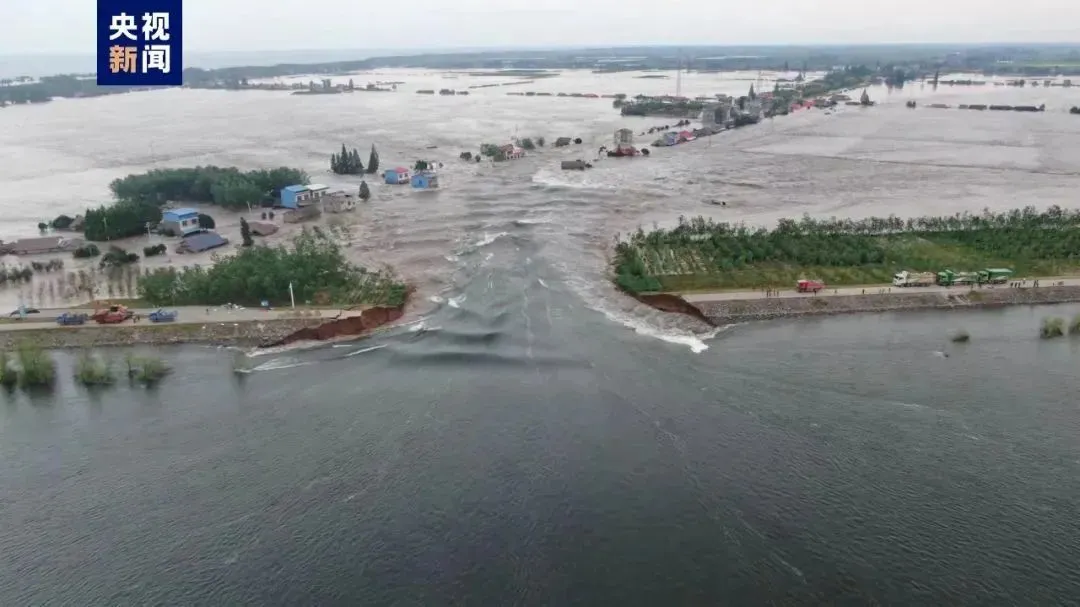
(531, 437)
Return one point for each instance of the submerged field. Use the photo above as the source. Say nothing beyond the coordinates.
(702, 255)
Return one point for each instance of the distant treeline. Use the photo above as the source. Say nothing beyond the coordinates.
(1033, 60)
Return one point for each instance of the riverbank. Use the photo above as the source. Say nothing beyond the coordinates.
(733, 308)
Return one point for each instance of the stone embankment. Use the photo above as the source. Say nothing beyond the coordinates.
(368, 320)
(246, 333)
(743, 310)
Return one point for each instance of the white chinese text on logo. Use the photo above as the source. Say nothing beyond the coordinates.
(156, 57)
(123, 25)
(155, 26)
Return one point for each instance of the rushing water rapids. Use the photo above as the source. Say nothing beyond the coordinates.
(513, 445)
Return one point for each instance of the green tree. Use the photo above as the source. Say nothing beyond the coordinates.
(245, 233)
(365, 192)
(373, 161)
(315, 265)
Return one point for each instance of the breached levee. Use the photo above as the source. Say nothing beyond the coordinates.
(349, 326)
(666, 302)
(734, 311)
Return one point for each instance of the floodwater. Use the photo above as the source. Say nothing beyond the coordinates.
(532, 437)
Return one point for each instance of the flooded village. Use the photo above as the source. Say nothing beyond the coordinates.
(585, 126)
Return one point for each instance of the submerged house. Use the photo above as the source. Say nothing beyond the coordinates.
(180, 222)
(303, 213)
(339, 202)
(509, 152)
(297, 196)
(41, 245)
(396, 176)
(262, 228)
(203, 241)
(425, 180)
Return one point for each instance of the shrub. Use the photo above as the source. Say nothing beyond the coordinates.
(960, 336)
(87, 250)
(62, 222)
(157, 249)
(540, 141)
(146, 370)
(1052, 327)
(116, 257)
(206, 222)
(9, 376)
(1074, 326)
(92, 370)
(36, 367)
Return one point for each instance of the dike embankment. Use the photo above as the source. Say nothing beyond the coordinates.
(252, 333)
(734, 311)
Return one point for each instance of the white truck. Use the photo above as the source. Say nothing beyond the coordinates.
(914, 279)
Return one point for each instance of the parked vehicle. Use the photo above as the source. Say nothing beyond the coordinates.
(809, 286)
(948, 278)
(110, 318)
(26, 311)
(67, 318)
(913, 279)
(995, 276)
(160, 315)
(112, 315)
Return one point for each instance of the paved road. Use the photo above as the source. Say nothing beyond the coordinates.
(868, 290)
(46, 319)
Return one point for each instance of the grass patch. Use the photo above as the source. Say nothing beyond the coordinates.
(1052, 327)
(147, 370)
(93, 370)
(36, 367)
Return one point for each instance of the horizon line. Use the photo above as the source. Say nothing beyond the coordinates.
(488, 49)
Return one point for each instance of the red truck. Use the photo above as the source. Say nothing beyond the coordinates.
(809, 286)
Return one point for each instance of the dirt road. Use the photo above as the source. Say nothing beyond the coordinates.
(867, 290)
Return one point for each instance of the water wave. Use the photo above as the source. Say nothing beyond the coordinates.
(550, 178)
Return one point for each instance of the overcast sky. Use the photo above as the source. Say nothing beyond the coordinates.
(67, 26)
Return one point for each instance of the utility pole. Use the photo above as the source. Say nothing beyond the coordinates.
(292, 299)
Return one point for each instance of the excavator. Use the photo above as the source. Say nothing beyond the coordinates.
(111, 315)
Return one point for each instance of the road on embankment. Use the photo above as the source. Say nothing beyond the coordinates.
(862, 290)
(46, 319)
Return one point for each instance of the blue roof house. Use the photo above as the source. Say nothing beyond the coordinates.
(425, 180)
(396, 176)
(180, 222)
(291, 195)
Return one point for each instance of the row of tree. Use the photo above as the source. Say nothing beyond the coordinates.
(140, 197)
(699, 244)
(348, 162)
(315, 266)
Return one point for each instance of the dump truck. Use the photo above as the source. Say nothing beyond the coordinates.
(914, 279)
(995, 276)
(809, 286)
(948, 278)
